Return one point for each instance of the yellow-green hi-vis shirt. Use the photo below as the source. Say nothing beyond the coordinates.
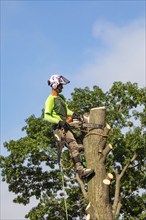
(56, 109)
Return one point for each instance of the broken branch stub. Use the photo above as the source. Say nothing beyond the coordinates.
(107, 180)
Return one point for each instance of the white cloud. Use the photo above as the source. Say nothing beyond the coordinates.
(122, 57)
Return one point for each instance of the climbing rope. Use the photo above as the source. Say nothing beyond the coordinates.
(67, 168)
(64, 192)
(94, 133)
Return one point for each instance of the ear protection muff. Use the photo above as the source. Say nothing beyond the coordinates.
(54, 85)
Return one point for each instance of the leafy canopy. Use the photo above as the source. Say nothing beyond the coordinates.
(31, 169)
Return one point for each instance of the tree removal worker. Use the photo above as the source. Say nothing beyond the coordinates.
(57, 112)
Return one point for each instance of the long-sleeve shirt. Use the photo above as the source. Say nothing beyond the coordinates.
(56, 109)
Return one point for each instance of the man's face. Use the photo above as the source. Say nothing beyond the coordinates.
(59, 88)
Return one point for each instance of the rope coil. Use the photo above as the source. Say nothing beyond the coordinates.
(94, 133)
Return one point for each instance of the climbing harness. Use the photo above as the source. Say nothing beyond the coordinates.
(79, 125)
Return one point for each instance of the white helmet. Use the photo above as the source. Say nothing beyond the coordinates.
(55, 80)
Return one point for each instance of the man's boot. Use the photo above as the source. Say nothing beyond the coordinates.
(85, 172)
(82, 172)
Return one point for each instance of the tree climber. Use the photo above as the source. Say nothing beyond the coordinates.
(57, 112)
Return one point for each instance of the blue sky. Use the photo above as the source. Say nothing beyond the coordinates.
(89, 42)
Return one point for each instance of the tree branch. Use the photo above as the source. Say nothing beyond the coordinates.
(105, 152)
(117, 192)
(118, 209)
(119, 205)
(127, 165)
(80, 182)
(70, 180)
(82, 186)
(117, 189)
(102, 141)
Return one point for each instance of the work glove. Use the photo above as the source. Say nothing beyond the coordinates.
(76, 115)
(63, 124)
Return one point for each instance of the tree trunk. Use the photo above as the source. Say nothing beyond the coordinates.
(96, 150)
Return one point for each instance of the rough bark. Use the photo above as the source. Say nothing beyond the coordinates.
(96, 151)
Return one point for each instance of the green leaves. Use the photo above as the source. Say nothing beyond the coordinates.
(121, 100)
(125, 111)
(31, 168)
(84, 99)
